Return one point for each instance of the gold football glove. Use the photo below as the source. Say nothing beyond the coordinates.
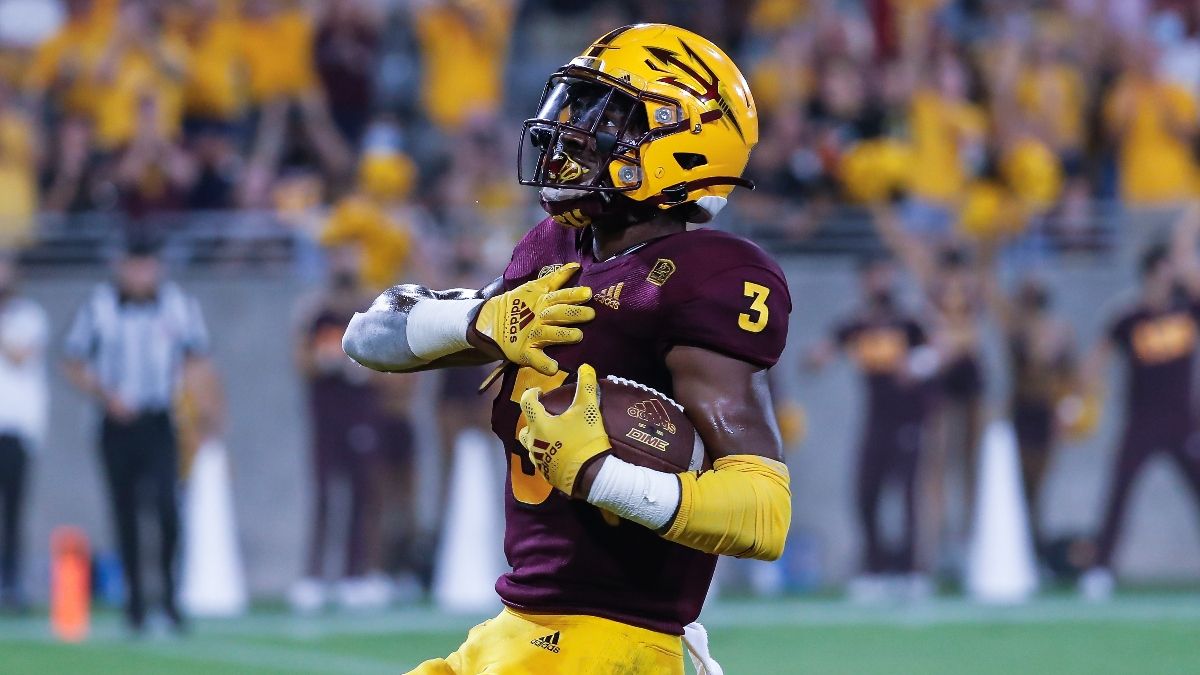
(561, 445)
(533, 316)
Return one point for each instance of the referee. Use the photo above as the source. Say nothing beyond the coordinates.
(127, 348)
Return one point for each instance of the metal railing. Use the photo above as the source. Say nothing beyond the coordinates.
(267, 240)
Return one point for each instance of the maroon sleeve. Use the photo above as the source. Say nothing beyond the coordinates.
(741, 312)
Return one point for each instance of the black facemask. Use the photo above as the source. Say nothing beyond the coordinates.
(581, 127)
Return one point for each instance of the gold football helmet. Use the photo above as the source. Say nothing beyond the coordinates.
(650, 111)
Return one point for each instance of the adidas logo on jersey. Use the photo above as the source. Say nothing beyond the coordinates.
(611, 296)
(548, 269)
(549, 642)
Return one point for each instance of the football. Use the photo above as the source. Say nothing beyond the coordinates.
(645, 426)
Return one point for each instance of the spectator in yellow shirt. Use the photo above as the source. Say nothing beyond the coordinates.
(18, 173)
(768, 16)
(213, 98)
(1051, 95)
(63, 64)
(212, 92)
(784, 78)
(138, 62)
(277, 47)
(464, 49)
(375, 219)
(1153, 123)
(947, 134)
(61, 76)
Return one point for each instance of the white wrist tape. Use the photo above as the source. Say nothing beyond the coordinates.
(635, 493)
(437, 328)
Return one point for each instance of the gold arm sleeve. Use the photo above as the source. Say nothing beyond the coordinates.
(742, 508)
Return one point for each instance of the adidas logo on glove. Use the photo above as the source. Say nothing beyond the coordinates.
(519, 316)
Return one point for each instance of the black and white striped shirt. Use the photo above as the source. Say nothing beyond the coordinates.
(136, 347)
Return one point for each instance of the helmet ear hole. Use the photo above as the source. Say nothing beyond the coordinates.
(690, 160)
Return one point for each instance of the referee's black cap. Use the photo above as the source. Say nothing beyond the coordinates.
(142, 245)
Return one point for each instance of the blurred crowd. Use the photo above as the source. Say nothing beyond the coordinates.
(145, 108)
(979, 115)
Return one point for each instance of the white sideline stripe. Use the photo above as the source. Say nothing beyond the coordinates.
(834, 613)
(951, 612)
(284, 659)
(261, 656)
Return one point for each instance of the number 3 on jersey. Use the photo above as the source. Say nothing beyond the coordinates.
(756, 320)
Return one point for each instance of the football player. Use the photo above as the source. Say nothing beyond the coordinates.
(646, 131)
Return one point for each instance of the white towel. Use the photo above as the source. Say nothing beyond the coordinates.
(695, 638)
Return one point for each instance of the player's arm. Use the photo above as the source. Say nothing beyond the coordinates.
(742, 507)
(411, 328)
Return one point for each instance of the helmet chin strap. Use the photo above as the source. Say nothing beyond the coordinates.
(582, 208)
(577, 208)
(557, 194)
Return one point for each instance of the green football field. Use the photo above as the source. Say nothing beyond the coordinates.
(1151, 633)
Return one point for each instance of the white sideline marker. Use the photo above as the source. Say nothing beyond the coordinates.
(213, 583)
(1001, 568)
(469, 555)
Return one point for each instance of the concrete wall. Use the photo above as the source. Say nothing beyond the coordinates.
(250, 318)
(251, 325)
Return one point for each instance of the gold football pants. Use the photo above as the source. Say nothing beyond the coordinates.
(519, 643)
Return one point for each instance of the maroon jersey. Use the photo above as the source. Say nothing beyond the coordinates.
(1160, 348)
(701, 288)
(880, 345)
